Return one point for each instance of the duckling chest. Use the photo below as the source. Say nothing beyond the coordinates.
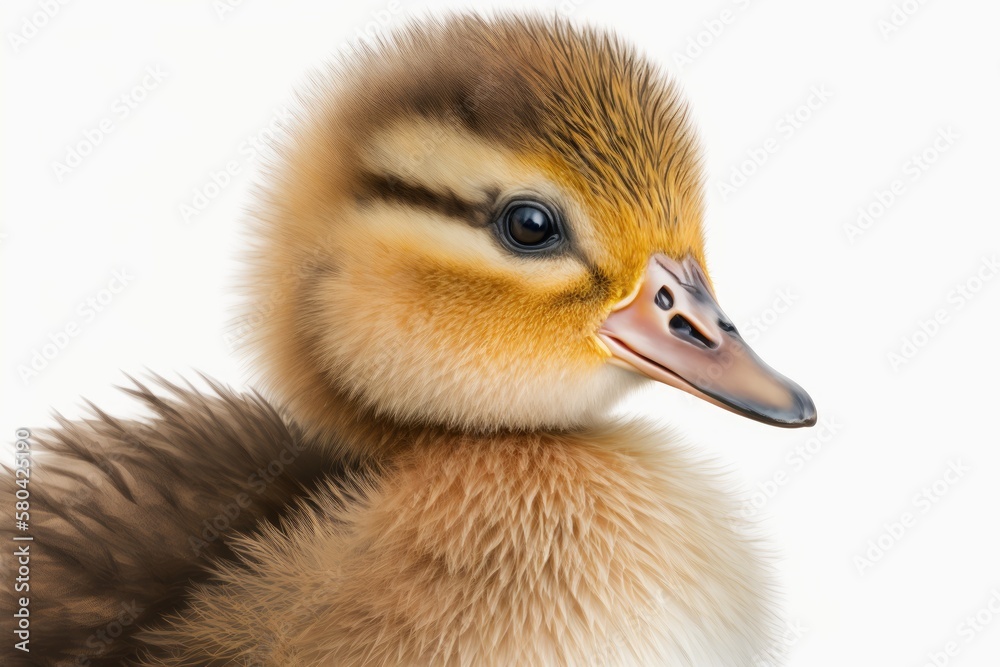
(556, 554)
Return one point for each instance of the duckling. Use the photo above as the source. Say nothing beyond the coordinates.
(481, 235)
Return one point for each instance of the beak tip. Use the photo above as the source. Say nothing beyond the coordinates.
(807, 420)
(807, 415)
(801, 414)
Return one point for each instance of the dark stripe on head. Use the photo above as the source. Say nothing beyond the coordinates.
(386, 187)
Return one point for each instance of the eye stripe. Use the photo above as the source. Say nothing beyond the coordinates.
(385, 187)
(371, 186)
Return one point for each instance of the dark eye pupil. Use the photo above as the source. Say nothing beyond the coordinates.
(529, 225)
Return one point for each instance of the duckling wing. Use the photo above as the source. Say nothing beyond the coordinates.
(126, 515)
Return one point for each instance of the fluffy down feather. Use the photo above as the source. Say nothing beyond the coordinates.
(588, 548)
(121, 510)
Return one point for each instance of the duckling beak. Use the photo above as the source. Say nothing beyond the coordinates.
(672, 330)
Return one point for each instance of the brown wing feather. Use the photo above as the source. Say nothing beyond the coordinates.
(126, 515)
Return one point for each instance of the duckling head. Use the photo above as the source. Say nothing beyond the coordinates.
(494, 223)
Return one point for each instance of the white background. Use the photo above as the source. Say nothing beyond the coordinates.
(893, 429)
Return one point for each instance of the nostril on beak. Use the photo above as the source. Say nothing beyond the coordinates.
(664, 299)
(682, 328)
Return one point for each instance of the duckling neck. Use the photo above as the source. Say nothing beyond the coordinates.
(356, 432)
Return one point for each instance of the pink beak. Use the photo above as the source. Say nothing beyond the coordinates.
(672, 330)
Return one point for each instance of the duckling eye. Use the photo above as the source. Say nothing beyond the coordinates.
(529, 226)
